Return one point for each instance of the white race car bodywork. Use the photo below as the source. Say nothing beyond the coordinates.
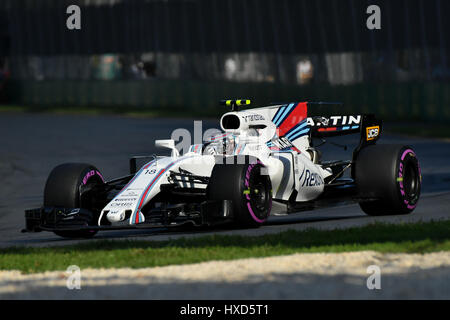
(263, 155)
(262, 132)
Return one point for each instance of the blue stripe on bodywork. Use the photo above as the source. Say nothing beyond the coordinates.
(278, 114)
(134, 178)
(285, 113)
(299, 134)
(146, 192)
(296, 129)
(152, 184)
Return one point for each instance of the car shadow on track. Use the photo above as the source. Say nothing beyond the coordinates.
(186, 230)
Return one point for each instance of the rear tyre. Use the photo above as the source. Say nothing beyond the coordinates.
(247, 186)
(389, 178)
(62, 189)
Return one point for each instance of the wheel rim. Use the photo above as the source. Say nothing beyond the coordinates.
(85, 201)
(411, 180)
(259, 195)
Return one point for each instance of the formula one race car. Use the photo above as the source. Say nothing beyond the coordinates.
(263, 155)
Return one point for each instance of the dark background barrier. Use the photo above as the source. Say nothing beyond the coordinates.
(37, 27)
(411, 101)
(178, 54)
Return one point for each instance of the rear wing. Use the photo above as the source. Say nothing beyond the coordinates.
(323, 119)
(366, 124)
(370, 132)
(327, 119)
(322, 126)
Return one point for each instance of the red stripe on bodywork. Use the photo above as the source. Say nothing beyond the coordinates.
(295, 149)
(150, 186)
(328, 129)
(131, 181)
(299, 113)
(145, 195)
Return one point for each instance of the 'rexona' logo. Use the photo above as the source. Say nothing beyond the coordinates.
(372, 132)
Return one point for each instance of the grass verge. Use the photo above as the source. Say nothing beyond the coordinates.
(406, 238)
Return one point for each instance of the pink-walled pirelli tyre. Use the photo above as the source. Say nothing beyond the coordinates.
(62, 189)
(391, 175)
(247, 185)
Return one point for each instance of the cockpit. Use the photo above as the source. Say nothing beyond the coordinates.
(226, 143)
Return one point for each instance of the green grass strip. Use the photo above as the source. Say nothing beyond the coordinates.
(406, 238)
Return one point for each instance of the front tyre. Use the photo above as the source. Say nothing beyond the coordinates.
(389, 178)
(62, 189)
(248, 186)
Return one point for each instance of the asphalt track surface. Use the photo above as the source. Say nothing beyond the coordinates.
(32, 144)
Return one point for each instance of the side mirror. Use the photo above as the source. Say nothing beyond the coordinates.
(170, 144)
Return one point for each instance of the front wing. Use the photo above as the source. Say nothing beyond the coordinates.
(71, 219)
